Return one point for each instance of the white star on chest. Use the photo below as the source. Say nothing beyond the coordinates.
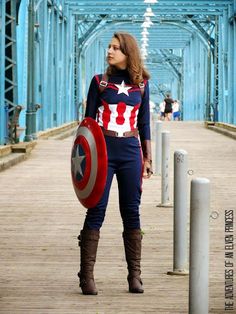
(122, 89)
(77, 160)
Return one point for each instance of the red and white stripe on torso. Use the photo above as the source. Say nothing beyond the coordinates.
(118, 117)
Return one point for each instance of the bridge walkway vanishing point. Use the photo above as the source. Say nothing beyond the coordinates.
(40, 219)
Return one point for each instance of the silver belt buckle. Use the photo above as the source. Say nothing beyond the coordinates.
(120, 134)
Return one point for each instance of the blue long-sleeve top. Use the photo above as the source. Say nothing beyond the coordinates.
(120, 106)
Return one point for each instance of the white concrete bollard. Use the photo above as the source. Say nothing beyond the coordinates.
(158, 147)
(154, 119)
(165, 193)
(180, 249)
(199, 246)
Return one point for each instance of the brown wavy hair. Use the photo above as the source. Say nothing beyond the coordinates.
(135, 67)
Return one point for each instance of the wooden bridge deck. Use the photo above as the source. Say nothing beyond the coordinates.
(40, 219)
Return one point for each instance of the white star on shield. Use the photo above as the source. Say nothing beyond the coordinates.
(122, 88)
(77, 160)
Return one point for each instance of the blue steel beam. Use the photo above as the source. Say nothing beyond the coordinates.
(2, 77)
(11, 82)
(203, 32)
(155, 57)
(233, 69)
(138, 7)
(140, 4)
(78, 104)
(132, 18)
(172, 65)
(22, 63)
(165, 13)
(88, 32)
(216, 92)
(31, 112)
(229, 66)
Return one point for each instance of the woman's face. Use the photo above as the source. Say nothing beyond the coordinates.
(115, 56)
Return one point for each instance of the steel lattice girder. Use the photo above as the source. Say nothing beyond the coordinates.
(163, 7)
(177, 25)
(160, 35)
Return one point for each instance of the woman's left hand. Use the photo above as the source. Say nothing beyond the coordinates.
(147, 169)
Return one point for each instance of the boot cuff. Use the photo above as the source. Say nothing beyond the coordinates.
(133, 234)
(89, 234)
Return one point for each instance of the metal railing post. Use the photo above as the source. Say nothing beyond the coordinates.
(30, 111)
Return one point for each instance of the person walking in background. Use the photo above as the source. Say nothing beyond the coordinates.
(162, 110)
(119, 101)
(176, 110)
(168, 107)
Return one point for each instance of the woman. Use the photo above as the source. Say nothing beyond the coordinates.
(119, 101)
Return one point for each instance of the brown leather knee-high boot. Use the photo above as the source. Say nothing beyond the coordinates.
(88, 242)
(132, 243)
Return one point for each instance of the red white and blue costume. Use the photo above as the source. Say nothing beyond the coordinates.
(120, 108)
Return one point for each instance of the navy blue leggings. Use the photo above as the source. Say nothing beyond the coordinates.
(124, 160)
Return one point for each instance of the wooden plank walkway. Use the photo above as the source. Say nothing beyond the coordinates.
(40, 219)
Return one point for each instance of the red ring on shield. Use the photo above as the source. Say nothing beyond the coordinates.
(89, 163)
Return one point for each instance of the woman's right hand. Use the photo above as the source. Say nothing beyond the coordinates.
(147, 169)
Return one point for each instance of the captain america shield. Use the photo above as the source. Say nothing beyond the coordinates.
(89, 163)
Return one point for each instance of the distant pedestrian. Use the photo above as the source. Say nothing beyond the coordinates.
(168, 107)
(176, 110)
(162, 110)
